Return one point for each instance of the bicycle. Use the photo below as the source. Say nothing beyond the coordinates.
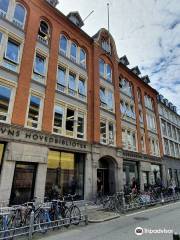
(75, 213)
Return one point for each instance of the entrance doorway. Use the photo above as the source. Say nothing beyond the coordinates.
(106, 174)
(23, 183)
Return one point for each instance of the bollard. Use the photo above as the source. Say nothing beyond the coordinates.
(176, 236)
(162, 198)
(31, 223)
(86, 215)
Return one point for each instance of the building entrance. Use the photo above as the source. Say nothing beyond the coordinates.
(23, 183)
(106, 175)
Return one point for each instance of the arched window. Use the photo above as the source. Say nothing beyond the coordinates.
(4, 7)
(19, 15)
(82, 58)
(109, 73)
(73, 54)
(101, 67)
(63, 45)
(43, 33)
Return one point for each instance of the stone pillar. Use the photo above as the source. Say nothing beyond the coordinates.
(141, 181)
(119, 178)
(88, 184)
(95, 160)
(164, 175)
(40, 183)
(6, 180)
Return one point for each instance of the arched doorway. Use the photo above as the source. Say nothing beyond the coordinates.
(106, 174)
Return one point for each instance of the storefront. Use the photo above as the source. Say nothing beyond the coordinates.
(130, 173)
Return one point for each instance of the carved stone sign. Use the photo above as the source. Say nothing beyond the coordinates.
(26, 135)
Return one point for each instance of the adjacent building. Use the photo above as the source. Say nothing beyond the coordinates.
(71, 110)
(170, 131)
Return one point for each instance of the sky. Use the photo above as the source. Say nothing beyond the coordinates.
(146, 31)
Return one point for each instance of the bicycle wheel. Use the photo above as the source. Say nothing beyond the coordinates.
(66, 216)
(75, 215)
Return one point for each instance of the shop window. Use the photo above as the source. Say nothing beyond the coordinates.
(70, 118)
(73, 52)
(43, 34)
(58, 119)
(61, 81)
(109, 73)
(65, 175)
(19, 15)
(34, 112)
(82, 58)
(12, 51)
(101, 68)
(80, 126)
(63, 45)
(23, 183)
(40, 65)
(5, 96)
(4, 7)
(103, 132)
(81, 88)
(72, 84)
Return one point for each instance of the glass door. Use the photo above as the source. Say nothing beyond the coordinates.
(23, 183)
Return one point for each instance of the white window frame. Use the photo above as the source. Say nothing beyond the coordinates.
(39, 122)
(16, 21)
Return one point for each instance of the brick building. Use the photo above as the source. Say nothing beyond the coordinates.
(71, 110)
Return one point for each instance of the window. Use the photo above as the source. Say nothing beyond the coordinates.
(174, 133)
(169, 130)
(34, 112)
(109, 73)
(103, 132)
(129, 139)
(39, 65)
(63, 45)
(132, 112)
(102, 96)
(139, 96)
(70, 122)
(81, 87)
(5, 96)
(12, 51)
(19, 15)
(166, 147)
(43, 33)
(61, 78)
(122, 108)
(142, 144)
(106, 46)
(82, 58)
(140, 116)
(163, 124)
(80, 126)
(101, 67)
(65, 174)
(110, 102)
(4, 7)
(172, 148)
(111, 133)
(176, 150)
(126, 87)
(73, 53)
(58, 119)
(72, 84)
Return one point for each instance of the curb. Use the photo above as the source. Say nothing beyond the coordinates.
(103, 219)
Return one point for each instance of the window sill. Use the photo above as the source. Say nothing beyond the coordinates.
(10, 66)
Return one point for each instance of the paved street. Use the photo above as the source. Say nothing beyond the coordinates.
(165, 217)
